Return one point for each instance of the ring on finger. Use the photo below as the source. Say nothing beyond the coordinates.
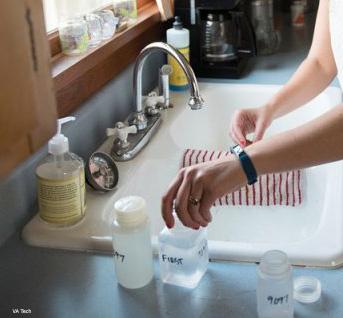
(193, 201)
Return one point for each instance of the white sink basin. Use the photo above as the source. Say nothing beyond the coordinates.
(311, 234)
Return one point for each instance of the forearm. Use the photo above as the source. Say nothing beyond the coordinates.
(314, 74)
(317, 142)
(308, 81)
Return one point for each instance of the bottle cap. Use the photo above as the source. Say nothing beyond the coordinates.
(59, 144)
(130, 211)
(307, 289)
(177, 23)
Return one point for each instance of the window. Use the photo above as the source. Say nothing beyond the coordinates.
(77, 77)
(55, 8)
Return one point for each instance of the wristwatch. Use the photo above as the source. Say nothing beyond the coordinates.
(246, 163)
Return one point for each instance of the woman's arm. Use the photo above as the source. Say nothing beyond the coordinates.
(312, 77)
(317, 142)
(314, 74)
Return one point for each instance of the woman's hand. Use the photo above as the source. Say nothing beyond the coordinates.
(195, 189)
(250, 120)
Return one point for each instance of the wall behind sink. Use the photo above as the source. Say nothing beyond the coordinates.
(112, 103)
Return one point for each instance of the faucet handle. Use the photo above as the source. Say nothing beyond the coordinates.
(121, 132)
(151, 102)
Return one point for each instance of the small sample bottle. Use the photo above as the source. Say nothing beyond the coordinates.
(178, 37)
(132, 243)
(61, 182)
(183, 255)
(275, 286)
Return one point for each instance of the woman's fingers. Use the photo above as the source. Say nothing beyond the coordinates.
(193, 191)
(261, 127)
(194, 202)
(245, 121)
(181, 203)
(239, 128)
(168, 199)
(205, 206)
(237, 132)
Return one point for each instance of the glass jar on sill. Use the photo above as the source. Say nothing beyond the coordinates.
(126, 11)
(108, 23)
(73, 35)
(94, 29)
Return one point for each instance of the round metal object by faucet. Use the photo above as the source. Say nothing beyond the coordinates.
(101, 172)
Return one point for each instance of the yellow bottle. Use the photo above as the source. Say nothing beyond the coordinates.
(178, 37)
(61, 182)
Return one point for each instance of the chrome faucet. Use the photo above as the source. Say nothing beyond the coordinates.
(126, 141)
(195, 102)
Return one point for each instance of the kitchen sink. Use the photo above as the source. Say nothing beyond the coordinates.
(311, 233)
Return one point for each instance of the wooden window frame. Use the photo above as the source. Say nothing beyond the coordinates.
(76, 78)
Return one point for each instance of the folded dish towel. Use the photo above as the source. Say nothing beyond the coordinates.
(270, 189)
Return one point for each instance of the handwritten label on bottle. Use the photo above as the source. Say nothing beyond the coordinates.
(277, 300)
(171, 259)
(118, 256)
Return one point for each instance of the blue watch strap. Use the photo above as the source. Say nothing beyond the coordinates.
(246, 163)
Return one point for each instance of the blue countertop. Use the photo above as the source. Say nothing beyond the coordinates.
(52, 283)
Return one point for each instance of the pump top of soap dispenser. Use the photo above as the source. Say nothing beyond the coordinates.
(177, 24)
(59, 144)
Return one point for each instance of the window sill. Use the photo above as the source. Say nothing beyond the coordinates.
(77, 77)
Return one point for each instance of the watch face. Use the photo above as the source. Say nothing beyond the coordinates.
(237, 150)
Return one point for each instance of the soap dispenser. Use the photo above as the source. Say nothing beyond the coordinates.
(61, 182)
(178, 37)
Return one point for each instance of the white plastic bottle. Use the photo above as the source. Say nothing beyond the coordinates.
(132, 243)
(275, 286)
(183, 255)
(61, 182)
(178, 37)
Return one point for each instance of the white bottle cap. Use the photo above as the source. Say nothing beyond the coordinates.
(130, 211)
(59, 144)
(307, 289)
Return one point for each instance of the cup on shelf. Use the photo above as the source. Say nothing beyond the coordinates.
(126, 11)
(108, 23)
(94, 29)
(73, 35)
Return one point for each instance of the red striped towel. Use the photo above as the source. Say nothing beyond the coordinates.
(270, 189)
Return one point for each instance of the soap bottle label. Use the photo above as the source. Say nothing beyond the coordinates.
(178, 76)
(62, 201)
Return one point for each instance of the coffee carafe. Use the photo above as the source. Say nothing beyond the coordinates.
(222, 39)
(221, 35)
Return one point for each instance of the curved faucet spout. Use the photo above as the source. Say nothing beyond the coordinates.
(195, 101)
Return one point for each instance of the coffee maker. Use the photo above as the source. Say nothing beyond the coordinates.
(221, 36)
